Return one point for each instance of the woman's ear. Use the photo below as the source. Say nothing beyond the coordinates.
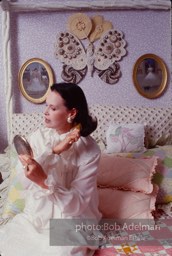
(73, 113)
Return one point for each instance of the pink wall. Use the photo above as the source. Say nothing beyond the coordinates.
(146, 31)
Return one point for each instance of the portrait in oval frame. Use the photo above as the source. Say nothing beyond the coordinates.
(150, 76)
(35, 79)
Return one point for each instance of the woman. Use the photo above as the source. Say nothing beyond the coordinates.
(60, 180)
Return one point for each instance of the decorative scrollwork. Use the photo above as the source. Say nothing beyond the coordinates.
(111, 75)
(69, 74)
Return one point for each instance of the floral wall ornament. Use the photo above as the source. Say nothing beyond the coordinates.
(110, 75)
(80, 25)
(70, 75)
(99, 27)
(102, 58)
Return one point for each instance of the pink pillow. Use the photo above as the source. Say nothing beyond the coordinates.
(121, 204)
(126, 173)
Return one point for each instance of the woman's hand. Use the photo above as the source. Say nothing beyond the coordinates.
(65, 144)
(33, 170)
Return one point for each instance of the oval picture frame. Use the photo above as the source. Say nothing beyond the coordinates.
(150, 76)
(35, 79)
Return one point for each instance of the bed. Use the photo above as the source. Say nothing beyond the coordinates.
(138, 142)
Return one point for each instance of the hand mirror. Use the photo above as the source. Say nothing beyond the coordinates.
(22, 146)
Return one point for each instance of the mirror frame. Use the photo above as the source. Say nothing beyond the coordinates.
(21, 83)
(157, 93)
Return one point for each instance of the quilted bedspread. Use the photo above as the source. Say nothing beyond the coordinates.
(148, 243)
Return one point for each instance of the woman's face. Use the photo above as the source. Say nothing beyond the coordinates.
(56, 113)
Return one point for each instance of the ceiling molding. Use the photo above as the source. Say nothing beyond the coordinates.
(83, 5)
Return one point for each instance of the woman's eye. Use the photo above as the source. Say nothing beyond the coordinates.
(53, 108)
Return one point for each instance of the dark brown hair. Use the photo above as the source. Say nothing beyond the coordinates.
(74, 97)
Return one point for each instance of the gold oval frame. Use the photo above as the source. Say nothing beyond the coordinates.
(45, 79)
(155, 93)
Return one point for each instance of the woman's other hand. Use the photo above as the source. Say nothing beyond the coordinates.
(33, 170)
(65, 144)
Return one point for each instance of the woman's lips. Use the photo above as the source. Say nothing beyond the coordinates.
(47, 120)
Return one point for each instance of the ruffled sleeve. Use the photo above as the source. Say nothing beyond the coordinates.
(73, 201)
(71, 177)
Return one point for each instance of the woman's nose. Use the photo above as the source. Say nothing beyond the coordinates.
(46, 111)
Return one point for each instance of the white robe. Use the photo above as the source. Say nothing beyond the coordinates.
(72, 194)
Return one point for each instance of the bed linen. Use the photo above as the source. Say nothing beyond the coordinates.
(157, 242)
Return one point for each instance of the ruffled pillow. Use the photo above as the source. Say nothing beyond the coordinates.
(126, 173)
(163, 174)
(118, 204)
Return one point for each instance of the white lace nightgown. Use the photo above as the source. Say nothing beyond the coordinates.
(72, 194)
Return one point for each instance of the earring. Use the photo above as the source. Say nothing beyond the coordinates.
(69, 119)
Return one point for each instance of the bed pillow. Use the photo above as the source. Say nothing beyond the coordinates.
(15, 200)
(126, 173)
(4, 174)
(121, 204)
(15, 195)
(163, 174)
(125, 138)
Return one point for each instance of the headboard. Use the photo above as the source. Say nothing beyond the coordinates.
(158, 122)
